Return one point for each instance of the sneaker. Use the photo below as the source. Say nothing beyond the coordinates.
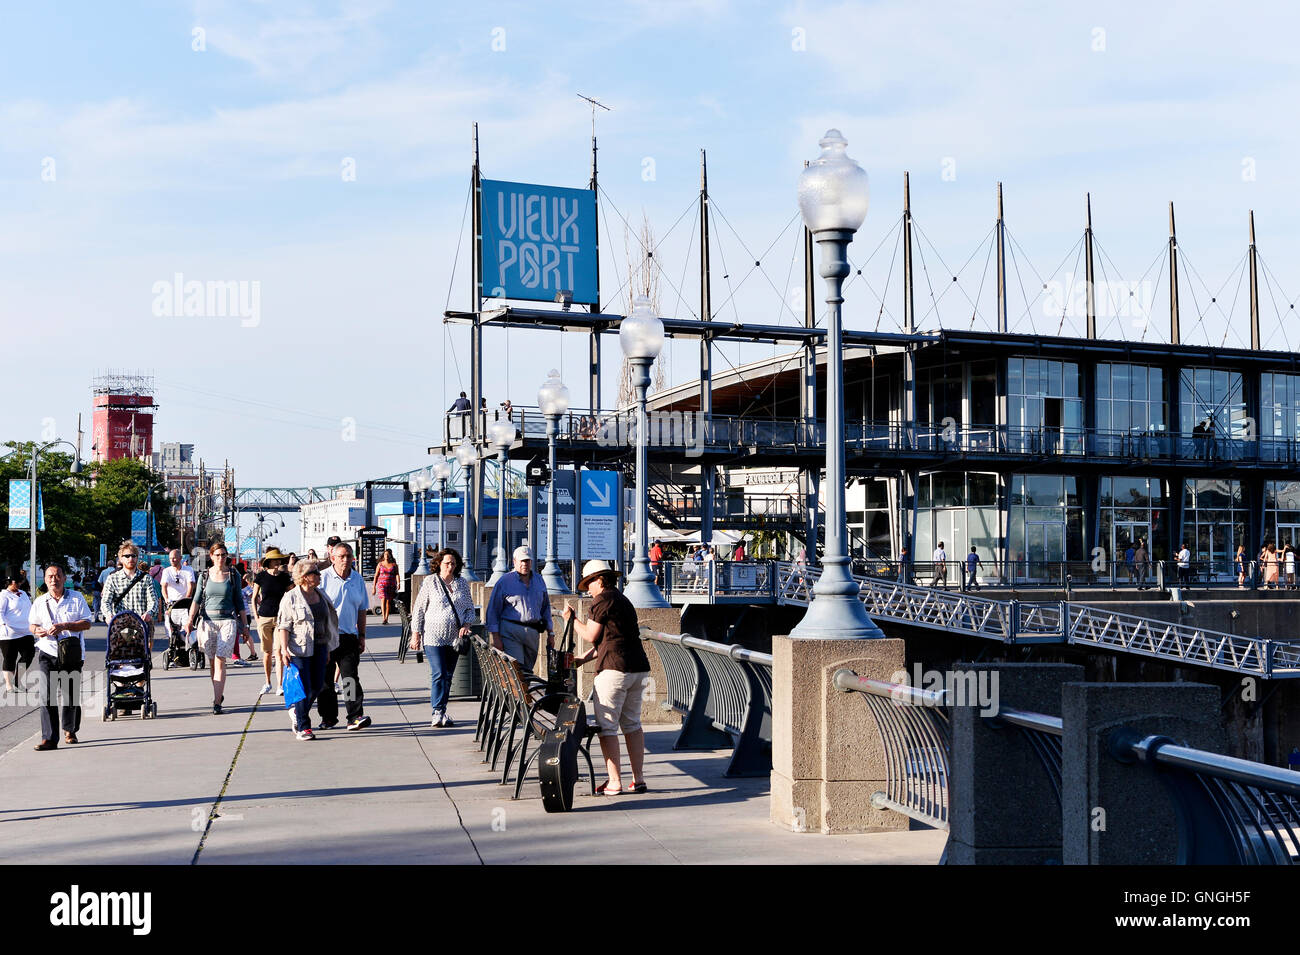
(327, 726)
(447, 721)
(436, 721)
(279, 691)
(361, 722)
(304, 734)
(266, 688)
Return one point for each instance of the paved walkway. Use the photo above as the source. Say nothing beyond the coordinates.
(238, 788)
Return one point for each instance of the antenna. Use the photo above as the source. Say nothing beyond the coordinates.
(594, 103)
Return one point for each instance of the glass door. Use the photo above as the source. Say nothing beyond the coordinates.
(1044, 549)
(1126, 535)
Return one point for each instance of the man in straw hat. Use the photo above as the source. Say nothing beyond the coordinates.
(622, 670)
(519, 610)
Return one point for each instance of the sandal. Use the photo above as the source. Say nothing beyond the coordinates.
(637, 788)
(604, 790)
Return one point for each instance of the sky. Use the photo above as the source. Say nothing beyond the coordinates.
(322, 150)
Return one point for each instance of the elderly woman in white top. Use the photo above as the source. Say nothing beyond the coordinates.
(16, 640)
(443, 611)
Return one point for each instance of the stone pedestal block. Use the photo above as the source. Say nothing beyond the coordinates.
(827, 754)
(1117, 813)
(665, 620)
(1002, 805)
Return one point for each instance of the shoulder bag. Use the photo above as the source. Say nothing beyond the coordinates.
(460, 644)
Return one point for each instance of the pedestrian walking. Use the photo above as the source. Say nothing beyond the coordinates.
(177, 583)
(443, 612)
(973, 564)
(1130, 561)
(59, 619)
(16, 641)
(940, 567)
(622, 671)
(306, 636)
(219, 615)
(133, 589)
(1268, 561)
(656, 562)
(269, 587)
(1141, 563)
(1184, 558)
(519, 610)
(1240, 561)
(346, 590)
(1288, 565)
(388, 581)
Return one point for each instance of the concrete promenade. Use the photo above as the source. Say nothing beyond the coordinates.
(238, 788)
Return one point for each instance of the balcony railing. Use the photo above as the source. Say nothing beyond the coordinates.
(693, 433)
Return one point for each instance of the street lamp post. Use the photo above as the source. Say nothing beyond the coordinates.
(833, 199)
(180, 499)
(502, 433)
(641, 335)
(148, 514)
(419, 483)
(553, 399)
(467, 457)
(441, 471)
(33, 510)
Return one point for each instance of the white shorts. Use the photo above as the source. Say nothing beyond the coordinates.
(216, 638)
(618, 701)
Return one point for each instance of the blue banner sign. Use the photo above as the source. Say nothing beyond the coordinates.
(139, 525)
(20, 506)
(538, 241)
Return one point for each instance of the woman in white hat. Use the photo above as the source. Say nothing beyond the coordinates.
(622, 670)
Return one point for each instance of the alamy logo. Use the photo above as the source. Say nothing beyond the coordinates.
(960, 687)
(134, 909)
(178, 298)
(665, 429)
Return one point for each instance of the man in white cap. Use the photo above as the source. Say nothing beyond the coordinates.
(519, 610)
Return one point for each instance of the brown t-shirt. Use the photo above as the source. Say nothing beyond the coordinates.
(619, 645)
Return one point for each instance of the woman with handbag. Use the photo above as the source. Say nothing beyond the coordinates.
(306, 633)
(442, 614)
(218, 613)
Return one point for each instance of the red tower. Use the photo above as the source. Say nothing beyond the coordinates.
(123, 421)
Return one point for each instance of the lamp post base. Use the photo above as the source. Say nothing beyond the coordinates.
(496, 575)
(553, 579)
(836, 611)
(645, 594)
(467, 573)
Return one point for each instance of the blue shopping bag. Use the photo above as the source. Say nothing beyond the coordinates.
(294, 691)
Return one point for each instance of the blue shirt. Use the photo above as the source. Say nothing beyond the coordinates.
(511, 600)
(349, 597)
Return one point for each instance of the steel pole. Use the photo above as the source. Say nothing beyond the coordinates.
(423, 567)
(499, 565)
(442, 530)
(471, 539)
(551, 575)
(836, 612)
(641, 588)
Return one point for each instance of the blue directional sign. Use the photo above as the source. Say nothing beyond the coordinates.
(601, 514)
(538, 241)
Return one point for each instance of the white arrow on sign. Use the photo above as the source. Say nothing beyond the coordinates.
(602, 493)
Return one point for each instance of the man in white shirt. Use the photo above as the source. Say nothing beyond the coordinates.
(177, 584)
(16, 643)
(59, 619)
(1185, 566)
(940, 566)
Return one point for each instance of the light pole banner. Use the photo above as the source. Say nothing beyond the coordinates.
(538, 241)
(248, 548)
(20, 505)
(231, 538)
(139, 528)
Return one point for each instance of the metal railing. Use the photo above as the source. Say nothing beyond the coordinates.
(1230, 811)
(724, 694)
(916, 732)
(674, 428)
(716, 578)
(1099, 627)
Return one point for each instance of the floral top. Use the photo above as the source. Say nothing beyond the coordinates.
(433, 618)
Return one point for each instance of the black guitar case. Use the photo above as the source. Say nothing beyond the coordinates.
(557, 758)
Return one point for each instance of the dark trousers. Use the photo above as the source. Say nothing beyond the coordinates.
(313, 672)
(56, 684)
(348, 659)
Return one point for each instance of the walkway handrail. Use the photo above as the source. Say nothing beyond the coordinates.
(1050, 725)
(724, 693)
(1162, 751)
(849, 682)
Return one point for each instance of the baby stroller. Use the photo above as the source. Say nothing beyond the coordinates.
(179, 653)
(127, 666)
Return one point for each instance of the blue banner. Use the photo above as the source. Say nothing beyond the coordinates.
(20, 506)
(139, 532)
(538, 241)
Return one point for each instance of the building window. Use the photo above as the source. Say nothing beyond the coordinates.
(1214, 395)
(1130, 399)
(1279, 399)
(1281, 516)
(1044, 410)
(960, 510)
(1132, 509)
(1214, 523)
(1045, 525)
